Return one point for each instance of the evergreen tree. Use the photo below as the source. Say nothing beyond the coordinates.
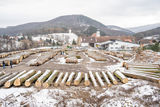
(74, 42)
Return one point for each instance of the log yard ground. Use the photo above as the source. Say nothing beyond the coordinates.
(80, 77)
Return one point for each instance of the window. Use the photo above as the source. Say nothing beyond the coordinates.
(116, 43)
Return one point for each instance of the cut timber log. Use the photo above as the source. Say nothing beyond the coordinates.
(110, 75)
(24, 77)
(64, 79)
(86, 80)
(71, 60)
(106, 79)
(2, 81)
(99, 80)
(78, 78)
(3, 76)
(69, 81)
(2, 73)
(93, 79)
(42, 78)
(119, 75)
(138, 76)
(58, 79)
(32, 79)
(10, 82)
(50, 80)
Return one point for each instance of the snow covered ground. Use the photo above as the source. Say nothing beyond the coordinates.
(136, 93)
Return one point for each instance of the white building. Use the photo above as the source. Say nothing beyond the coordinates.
(115, 45)
(61, 37)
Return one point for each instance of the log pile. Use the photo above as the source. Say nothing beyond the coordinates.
(150, 72)
(17, 56)
(72, 60)
(47, 78)
(122, 55)
(96, 56)
(44, 57)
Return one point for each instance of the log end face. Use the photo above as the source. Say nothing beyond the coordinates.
(45, 85)
(38, 84)
(27, 84)
(17, 82)
(7, 84)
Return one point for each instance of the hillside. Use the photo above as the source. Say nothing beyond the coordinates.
(144, 28)
(148, 33)
(80, 24)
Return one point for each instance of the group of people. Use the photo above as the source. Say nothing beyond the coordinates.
(11, 64)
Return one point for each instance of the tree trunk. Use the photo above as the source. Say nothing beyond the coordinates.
(93, 80)
(58, 79)
(69, 81)
(99, 80)
(50, 80)
(2, 81)
(119, 75)
(106, 79)
(24, 77)
(144, 77)
(78, 78)
(42, 78)
(86, 80)
(64, 79)
(11, 81)
(3, 76)
(2, 73)
(32, 79)
(110, 75)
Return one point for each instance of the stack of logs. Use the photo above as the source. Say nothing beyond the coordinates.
(96, 56)
(122, 55)
(17, 56)
(150, 72)
(57, 78)
(44, 57)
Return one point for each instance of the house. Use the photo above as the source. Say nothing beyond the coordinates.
(117, 45)
(103, 42)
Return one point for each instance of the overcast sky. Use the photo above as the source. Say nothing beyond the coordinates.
(123, 13)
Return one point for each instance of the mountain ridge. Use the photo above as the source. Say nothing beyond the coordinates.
(80, 24)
